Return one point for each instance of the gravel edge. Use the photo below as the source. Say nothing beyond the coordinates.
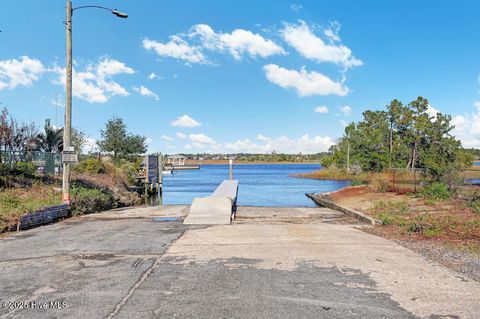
(464, 262)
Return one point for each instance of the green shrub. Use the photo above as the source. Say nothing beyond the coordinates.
(432, 232)
(4, 169)
(91, 166)
(130, 170)
(20, 169)
(387, 219)
(356, 182)
(327, 161)
(87, 201)
(474, 203)
(381, 182)
(10, 201)
(430, 226)
(391, 212)
(436, 191)
(24, 168)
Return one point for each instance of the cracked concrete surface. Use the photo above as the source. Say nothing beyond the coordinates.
(270, 263)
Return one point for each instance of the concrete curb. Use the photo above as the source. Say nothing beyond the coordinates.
(323, 200)
(44, 216)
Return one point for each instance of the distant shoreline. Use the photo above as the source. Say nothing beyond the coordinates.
(217, 162)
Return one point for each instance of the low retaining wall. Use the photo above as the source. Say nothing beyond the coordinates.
(323, 200)
(44, 216)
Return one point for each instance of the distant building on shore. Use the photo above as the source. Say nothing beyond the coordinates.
(176, 160)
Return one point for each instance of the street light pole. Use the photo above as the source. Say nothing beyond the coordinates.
(67, 129)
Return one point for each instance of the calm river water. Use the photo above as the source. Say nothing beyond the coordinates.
(259, 185)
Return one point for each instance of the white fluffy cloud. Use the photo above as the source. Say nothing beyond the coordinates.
(185, 121)
(237, 43)
(321, 109)
(467, 127)
(166, 138)
(346, 110)
(431, 111)
(181, 136)
(302, 39)
(282, 144)
(176, 48)
(332, 32)
(306, 83)
(202, 141)
(296, 7)
(262, 144)
(152, 76)
(145, 92)
(23, 71)
(95, 84)
(201, 38)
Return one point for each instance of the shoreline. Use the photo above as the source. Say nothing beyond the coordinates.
(225, 162)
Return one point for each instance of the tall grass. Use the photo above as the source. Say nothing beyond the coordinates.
(16, 202)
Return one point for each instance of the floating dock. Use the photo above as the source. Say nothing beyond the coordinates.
(181, 167)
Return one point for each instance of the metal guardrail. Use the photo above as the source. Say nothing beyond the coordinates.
(44, 216)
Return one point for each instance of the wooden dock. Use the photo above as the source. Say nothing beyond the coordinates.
(151, 174)
(183, 167)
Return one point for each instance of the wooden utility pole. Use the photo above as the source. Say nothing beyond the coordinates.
(67, 129)
(68, 151)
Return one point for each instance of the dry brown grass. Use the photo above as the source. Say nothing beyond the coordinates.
(333, 174)
(398, 178)
(473, 172)
(411, 217)
(449, 222)
(451, 225)
(15, 202)
(113, 180)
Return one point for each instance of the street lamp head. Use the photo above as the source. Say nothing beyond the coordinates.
(119, 14)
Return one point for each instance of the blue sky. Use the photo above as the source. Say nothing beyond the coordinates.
(241, 76)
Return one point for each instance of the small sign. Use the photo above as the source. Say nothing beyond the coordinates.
(39, 163)
(69, 157)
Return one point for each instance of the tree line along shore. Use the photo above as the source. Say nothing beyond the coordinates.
(412, 175)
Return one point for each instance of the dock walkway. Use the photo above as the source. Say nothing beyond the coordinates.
(217, 209)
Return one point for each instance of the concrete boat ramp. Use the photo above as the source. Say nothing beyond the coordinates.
(268, 263)
(217, 209)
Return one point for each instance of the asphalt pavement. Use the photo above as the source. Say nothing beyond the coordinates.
(270, 263)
